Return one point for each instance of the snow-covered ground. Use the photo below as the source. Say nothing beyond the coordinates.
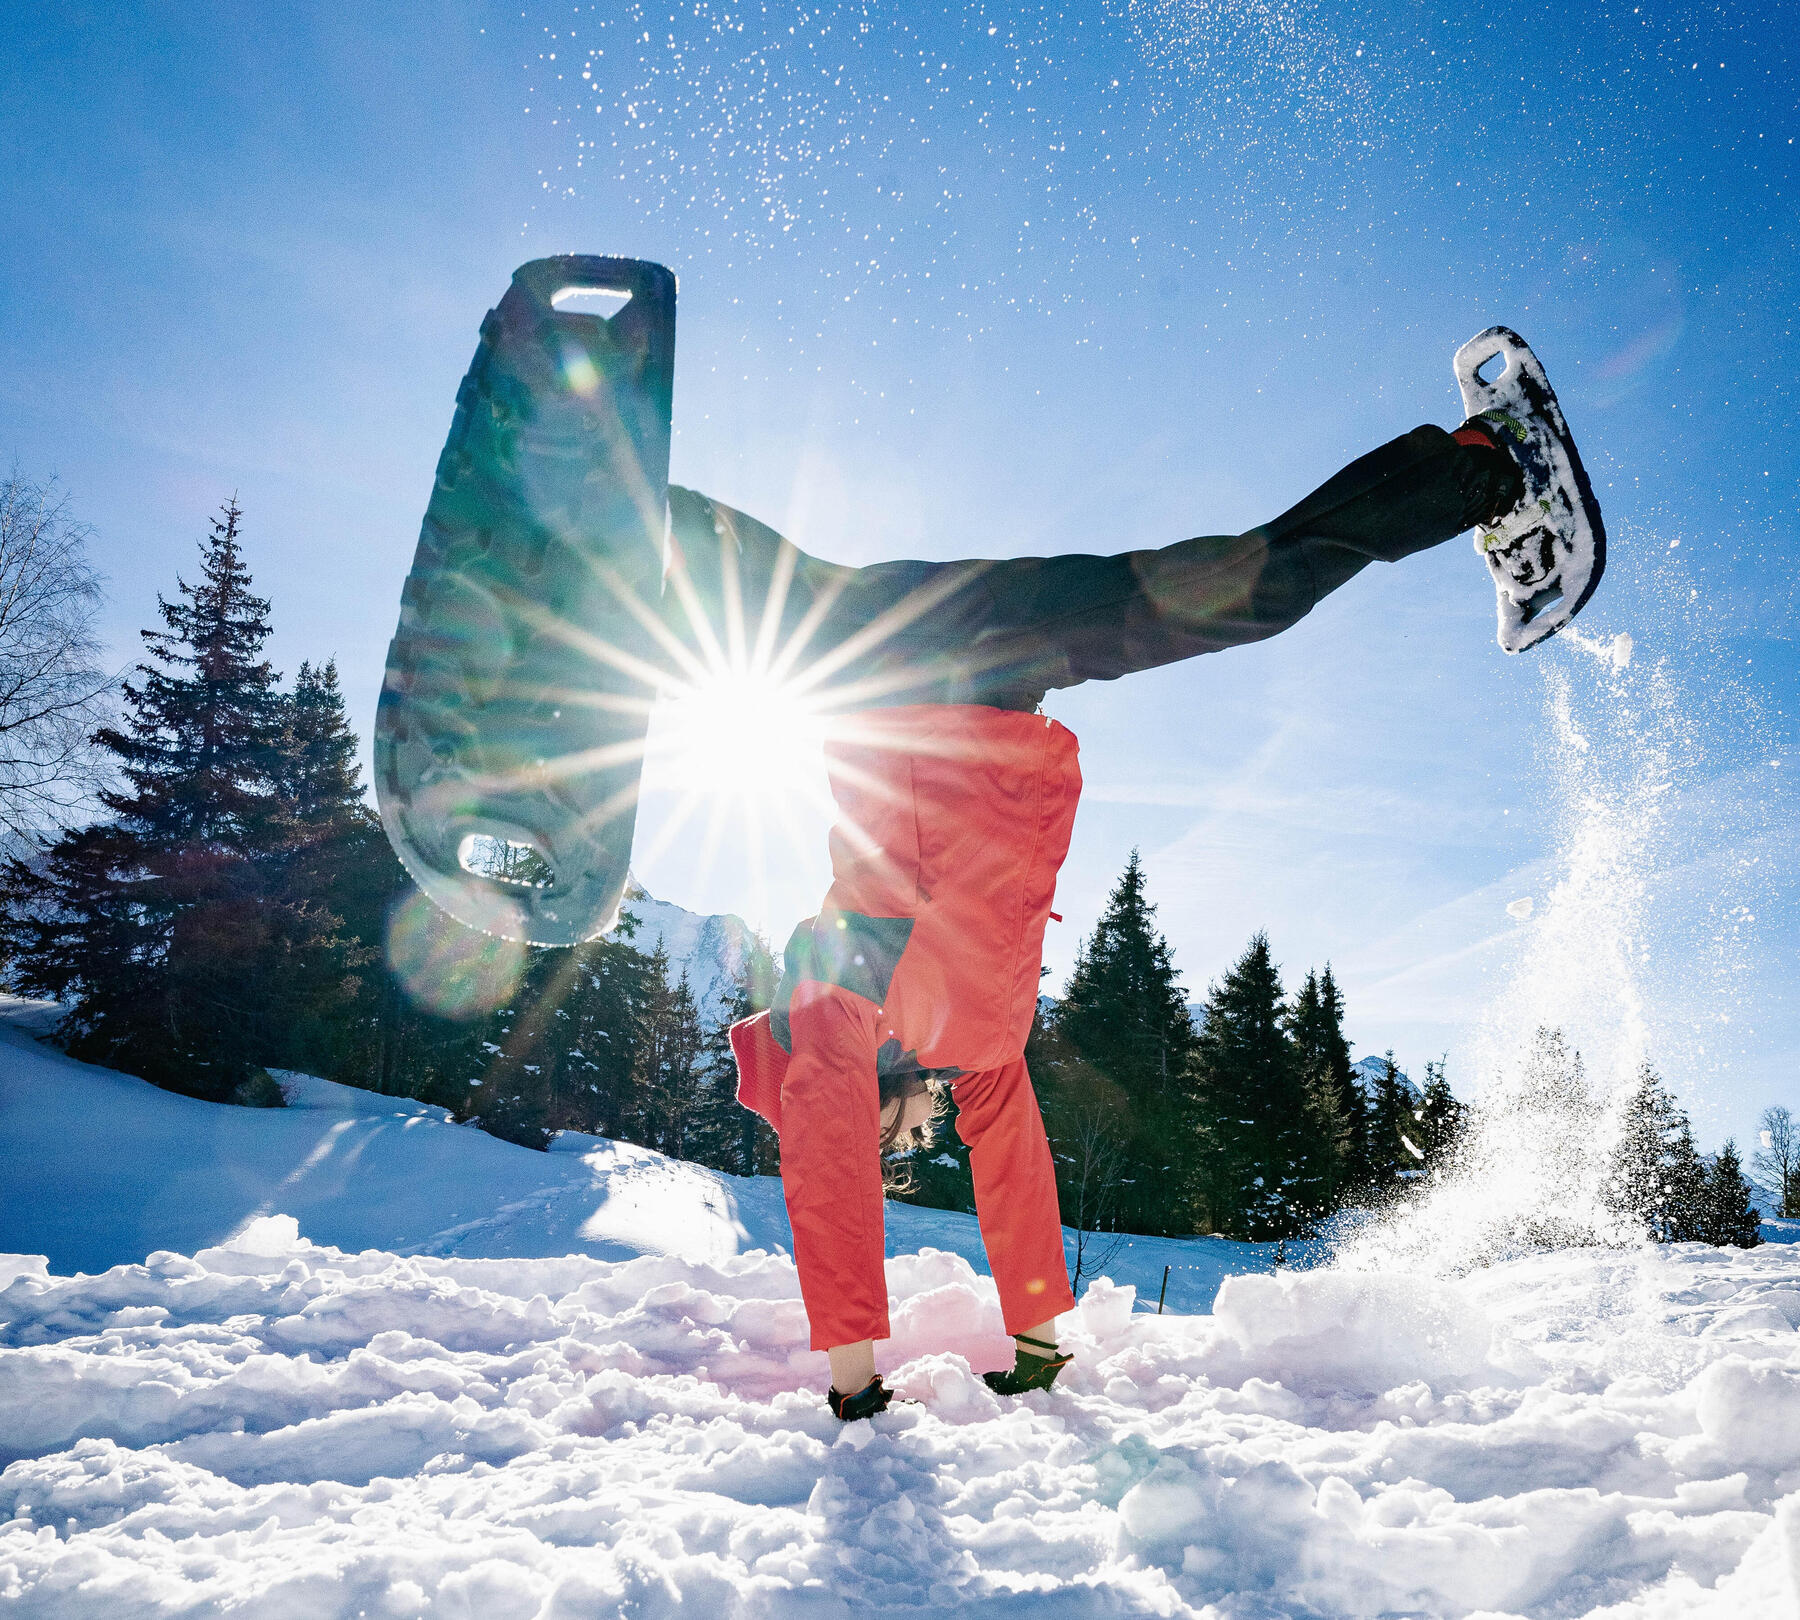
(360, 1375)
(98, 1168)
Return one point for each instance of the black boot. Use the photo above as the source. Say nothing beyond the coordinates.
(873, 1397)
(1033, 1368)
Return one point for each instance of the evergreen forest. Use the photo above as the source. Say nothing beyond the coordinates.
(233, 909)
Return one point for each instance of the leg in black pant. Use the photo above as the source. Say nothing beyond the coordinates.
(1004, 632)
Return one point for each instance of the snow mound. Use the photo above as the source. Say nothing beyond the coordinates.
(277, 1427)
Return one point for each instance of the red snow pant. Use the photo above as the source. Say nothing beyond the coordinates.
(953, 822)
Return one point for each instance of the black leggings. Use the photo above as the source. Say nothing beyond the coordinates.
(1004, 632)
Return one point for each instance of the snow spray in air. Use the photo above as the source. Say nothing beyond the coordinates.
(1626, 952)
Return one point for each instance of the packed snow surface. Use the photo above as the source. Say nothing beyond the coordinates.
(276, 1426)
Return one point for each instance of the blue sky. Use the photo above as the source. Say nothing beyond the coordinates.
(984, 279)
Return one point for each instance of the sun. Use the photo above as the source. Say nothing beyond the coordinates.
(738, 734)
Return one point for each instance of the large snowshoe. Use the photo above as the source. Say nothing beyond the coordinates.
(510, 732)
(1548, 552)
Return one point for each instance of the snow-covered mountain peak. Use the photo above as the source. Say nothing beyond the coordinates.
(711, 948)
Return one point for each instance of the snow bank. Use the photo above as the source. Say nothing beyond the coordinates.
(100, 1168)
(291, 1429)
(377, 1364)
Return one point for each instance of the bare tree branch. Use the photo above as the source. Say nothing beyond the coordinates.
(53, 694)
(1775, 1165)
(1095, 1156)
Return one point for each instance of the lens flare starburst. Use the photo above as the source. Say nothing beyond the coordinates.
(739, 732)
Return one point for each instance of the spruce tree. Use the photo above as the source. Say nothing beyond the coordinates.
(333, 862)
(1124, 1014)
(162, 927)
(1123, 1009)
(1441, 1119)
(1393, 1151)
(1253, 1102)
(724, 1133)
(1657, 1174)
(1316, 1026)
(671, 1057)
(1728, 1217)
(1327, 1147)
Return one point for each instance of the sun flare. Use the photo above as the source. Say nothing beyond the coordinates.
(739, 734)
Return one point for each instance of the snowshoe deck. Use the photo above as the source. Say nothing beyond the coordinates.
(509, 735)
(1548, 553)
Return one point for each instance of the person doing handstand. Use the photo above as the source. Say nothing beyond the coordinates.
(956, 799)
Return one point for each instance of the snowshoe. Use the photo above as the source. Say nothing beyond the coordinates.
(873, 1397)
(509, 736)
(1033, 1368)
(1549, 551)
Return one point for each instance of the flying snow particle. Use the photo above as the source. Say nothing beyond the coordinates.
(1520, 909)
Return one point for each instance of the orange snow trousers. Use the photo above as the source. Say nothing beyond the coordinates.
(953, 822)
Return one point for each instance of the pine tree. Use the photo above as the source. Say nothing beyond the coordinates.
(724, 1133)
(334, 862)
(1316, 1027)
(1728, 1217)
(1123, 1009)
(1328, 1145)
(579, 1046)
(671, 1059)
(1440, 1118)
(1123, 1013)
(1657, 1174)
(1253, 1103)
(1392, 1152)
(162, 928)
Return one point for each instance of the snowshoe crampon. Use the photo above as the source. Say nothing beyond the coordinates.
(509, 737)
(1549, 551)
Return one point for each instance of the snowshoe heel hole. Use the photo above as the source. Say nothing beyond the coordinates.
(1492, 369)
(604, 302)
(506, 860)
(1547, 598)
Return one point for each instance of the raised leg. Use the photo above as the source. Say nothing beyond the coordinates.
(1002, 633)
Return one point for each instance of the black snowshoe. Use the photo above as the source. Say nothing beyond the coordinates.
(1035, 1366)
(510, 732)
(1548, 553)
(872, 1398)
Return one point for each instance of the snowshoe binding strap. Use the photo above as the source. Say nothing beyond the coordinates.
(1548, 553)
(509, 737)
(1033, 1368)
(873, 1397)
